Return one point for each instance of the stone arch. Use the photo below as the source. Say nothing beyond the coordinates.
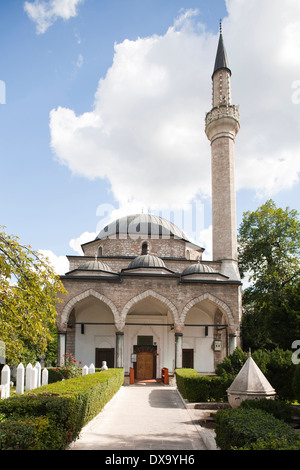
(212, 299)
(155, 295)
(88, 293)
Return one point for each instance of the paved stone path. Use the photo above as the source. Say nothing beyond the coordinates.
(142, 417)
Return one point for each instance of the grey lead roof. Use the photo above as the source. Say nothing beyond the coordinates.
(198, 268)
(141, 224)
(94, 266)
(147, 261)
(221, 58)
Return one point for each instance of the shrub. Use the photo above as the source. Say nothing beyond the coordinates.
(279, 369)
(35, 433)
(200, 388)
(50, 417)
(232, 364)
(245, 429)
(181, 379)
(296, 383)
(277, 408)
(55, 374)
(276, 365)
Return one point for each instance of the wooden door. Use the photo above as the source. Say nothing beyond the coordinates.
(144, 366)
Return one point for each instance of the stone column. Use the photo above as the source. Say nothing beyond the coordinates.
(120, 349)
(61, 348)
(232, 343)
(178, 350)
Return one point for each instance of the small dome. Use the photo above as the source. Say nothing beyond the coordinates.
(147, 261)
(198, 268)
(94, 266)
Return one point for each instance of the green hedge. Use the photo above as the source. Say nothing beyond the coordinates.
(55, 374)
(279, 409)
(253, 429)
(52, 416)
(201, 388)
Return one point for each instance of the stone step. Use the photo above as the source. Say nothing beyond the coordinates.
(211, 406)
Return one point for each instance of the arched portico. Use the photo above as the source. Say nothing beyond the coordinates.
(214, 300)
(83, 295)
(87, 329)
(149, 320)
(207, 322)
(148, 294)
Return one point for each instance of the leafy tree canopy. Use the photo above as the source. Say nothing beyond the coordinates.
(28, 291)
(269, 254)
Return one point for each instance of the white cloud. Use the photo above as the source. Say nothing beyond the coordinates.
(205, 240)
(79, 62)
(44, 14)
(145, 133)
(59, 263)
(85, 237)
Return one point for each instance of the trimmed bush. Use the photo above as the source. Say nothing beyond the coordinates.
(181, 380)
(296, 383)
(201, 388)
(249, 429)
(36, 433)
(277, 408)
(50, 417)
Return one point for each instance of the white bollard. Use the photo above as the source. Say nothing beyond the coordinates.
(85, 370)
(45, 377)
(92, 369)
(20, 379)
(28, 377)
(5, 380)
(39, 373)
(3, 392)
(33, 378)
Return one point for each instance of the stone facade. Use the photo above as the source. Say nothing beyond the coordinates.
(141, 297)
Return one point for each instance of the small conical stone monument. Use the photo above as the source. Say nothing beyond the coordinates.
(249, 384)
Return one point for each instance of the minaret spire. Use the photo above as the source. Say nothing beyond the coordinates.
(221, 127)
(221, 58)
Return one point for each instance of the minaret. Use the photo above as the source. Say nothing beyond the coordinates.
(221, 127)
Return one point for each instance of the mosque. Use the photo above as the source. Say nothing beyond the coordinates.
(141, 297)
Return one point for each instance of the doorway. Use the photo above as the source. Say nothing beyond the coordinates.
(105, 354)
(145, 365)
(187, 358)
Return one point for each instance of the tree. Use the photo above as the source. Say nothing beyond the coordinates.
(269, 249)
(28, 292)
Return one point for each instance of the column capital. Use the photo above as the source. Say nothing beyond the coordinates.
(178, 328)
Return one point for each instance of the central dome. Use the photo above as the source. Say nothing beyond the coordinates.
(142, 225)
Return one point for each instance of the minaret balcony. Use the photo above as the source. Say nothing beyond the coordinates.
(222, 120)
(223, 111)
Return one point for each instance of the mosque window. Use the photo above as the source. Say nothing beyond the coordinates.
(144, 248)
(145, 340)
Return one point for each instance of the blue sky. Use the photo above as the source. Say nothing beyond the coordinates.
(105, 104)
